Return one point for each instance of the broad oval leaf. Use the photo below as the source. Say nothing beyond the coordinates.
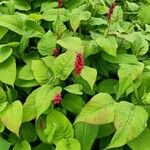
(71, 43)
(25, 73)
(23, 145)
(22, 5)
(8, 71)
(130, 121)
(89, 74)
(74, 89)
(63, 127)
(53, 127)
(5, 52)
(99, 110)
(140, 46)
(11, 116)
(47, 44)
(41, 72)
(109, 44)
(12, 22)
(73, 103)
(64, 65)
(4, 145)
(86, 134)
(29, 107)
(68, 144)
(45, 94)
(141, 142)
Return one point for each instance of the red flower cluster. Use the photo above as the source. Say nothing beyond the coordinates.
(111, 10)
(56, 52)
(79, 64)
(57, 99)
(60, 3)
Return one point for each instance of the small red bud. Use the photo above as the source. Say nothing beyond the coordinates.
(41, 124)
(60, 3)
(57, 99)
(56, 52)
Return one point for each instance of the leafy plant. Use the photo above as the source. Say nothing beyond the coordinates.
(74, 74)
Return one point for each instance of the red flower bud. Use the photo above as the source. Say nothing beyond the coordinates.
(57, 99)
(60, 3)
(56, 52)
(111, 10)
(42, 124)
(79, 64)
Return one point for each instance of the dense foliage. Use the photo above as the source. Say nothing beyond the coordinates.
(74, 74)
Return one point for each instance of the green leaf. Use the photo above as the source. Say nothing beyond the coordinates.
(97, 21)
(146, 98)
(140, 45)
(132, 6)
(47, 5)
(105, 130)
(68, 144)
(86, 134)
(12, 22)
(59, 27)
(41, 72)
(5, 52)
(25, 73)
(76, 16)
(74, 89)
(144, 16)
(57, 127)
(2, 95)
(71, 4)
(64, 128)
(133, 70)
(51, 14)
(71, 43)
(22, 5)
(4, 145)
(8, 71)
(3, 31)
(33, 29)
(73, 103)
(29, 107)
(27, 131)
(47, 44)
(141, 142)
(109, 44)
(99, 110)
(64, 65)
(117, 15)
(89, 75)
(23, 145)
(127, 73)
(26, 83)
(121, 58)
(40, 126)
(3, 106)
(11, 116)
(107, 86)
(129, 122)
(45, 94)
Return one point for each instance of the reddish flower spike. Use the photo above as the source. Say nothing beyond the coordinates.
(111, 10)
(79, 64)
(56, 52)
(60, 3)
(57, 99)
